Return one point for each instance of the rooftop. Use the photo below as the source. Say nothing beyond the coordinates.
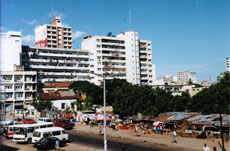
(60, 94)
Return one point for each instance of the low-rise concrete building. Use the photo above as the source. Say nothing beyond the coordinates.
(62, 99)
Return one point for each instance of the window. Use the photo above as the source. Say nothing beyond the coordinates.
(50, 125)
(98, 46)
(98, 40)
(63, 106)
(43, 126)
(36, 134)
(30, 130)
(55, 133)
(64, 132)
(47, 134)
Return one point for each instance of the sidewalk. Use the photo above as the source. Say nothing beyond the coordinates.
(183, 142)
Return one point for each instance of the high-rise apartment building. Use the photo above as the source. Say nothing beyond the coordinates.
(10, 52)
(186, 76)
(227, 60)
(56, 64)
(54, 35)
(124, 56)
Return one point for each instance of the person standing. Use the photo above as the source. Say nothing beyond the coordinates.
(57, 147)
(100, 129)
(206, 148)
(214, 149)
(174, 137)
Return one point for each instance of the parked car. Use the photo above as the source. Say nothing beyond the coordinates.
(28, 121)
(44, 119)
(48, 143)
(64, 123)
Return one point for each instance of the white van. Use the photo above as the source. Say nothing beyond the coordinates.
(58, 132)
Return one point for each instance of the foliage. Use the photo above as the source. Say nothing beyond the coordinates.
(68, 110)
(128, 99)
(93, 91)
(39, 104)
(214, 99)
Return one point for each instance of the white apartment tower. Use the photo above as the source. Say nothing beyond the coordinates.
(227, 60)
(186, 76)
(56, 64)
(54, 35)
(123, 56)
(11, 49)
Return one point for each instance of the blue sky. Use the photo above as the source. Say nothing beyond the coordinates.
(186, 35)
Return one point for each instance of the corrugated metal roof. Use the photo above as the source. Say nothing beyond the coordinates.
(179, 116)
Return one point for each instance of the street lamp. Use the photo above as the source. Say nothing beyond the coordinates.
(104, 94)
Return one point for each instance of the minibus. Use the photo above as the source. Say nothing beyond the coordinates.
(58, 132)
(24, 132)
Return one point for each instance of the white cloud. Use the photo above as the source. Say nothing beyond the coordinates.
(28, 39)
(54, 13)
(30, 22)
(78, 34)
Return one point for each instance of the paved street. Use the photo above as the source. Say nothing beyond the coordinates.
(82, 141)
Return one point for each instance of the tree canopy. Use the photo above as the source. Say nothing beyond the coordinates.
(40, 104)
(128, 99)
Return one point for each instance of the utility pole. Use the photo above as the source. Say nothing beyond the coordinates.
(105, 130)
(221, 133)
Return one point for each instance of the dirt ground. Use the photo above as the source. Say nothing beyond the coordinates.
(183, 142)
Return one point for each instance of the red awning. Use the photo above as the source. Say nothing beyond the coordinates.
(68, 115)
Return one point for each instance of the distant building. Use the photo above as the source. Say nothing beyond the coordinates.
(54, 35)
(179, 89)
(227, 64)
(186, 76)
(62, 99)
(124, 56)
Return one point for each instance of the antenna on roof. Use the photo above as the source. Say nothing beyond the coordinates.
(129, 19)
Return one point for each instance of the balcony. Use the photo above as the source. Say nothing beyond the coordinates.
(29, 98)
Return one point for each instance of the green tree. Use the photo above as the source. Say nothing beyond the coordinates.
(213, 99)
(40, 104)
(93, 92)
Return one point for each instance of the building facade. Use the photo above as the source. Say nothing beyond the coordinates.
(56, 64)
(227, 61)
(54, 35)
(123, 57)
(62, 99)
(18, 89)
(186, 76)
